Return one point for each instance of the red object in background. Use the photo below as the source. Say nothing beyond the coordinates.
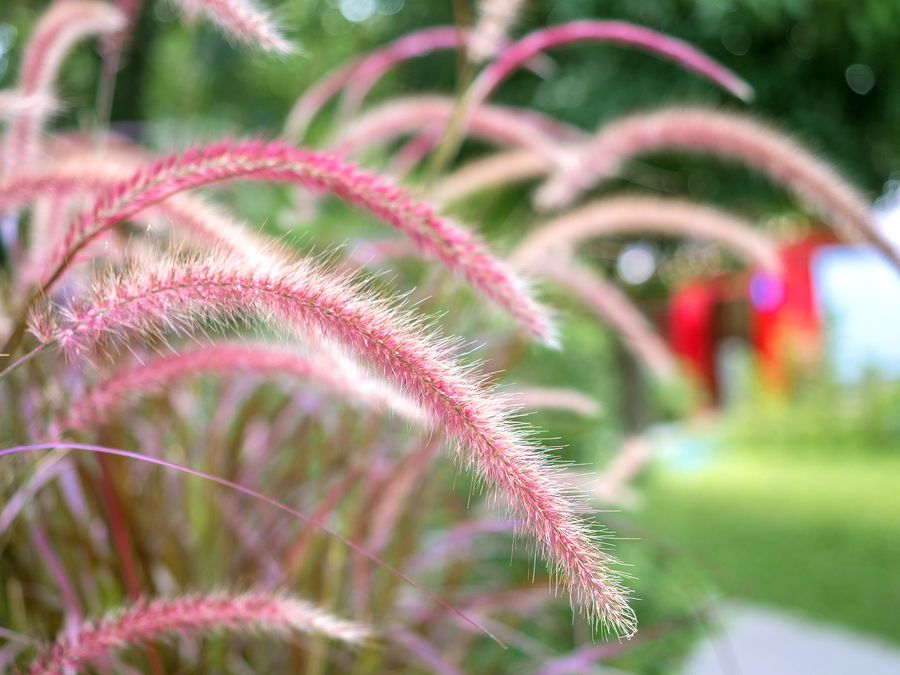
(790, 330)
(783, 326)
(690, 329)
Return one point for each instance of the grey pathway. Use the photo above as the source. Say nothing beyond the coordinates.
(766, 641)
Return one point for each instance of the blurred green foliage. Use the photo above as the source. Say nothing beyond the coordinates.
(762, 521)
(820, 421)
(794, 52)
(796, 505)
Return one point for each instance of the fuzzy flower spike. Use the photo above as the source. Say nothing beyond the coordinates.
(614, 32)
(358, 76)
(242, 21)
(61, 27)
(365, 71)
(499, 125)
(457, 248)
(159, 373)
(190, 616)
(495, 19)
(623, 215)
(325, 309)
(729, 136)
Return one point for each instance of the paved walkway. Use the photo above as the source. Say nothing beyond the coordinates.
(766, 641)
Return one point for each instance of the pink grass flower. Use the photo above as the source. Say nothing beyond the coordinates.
(160, 372)
(554, 398)
(496, 170)
(627, 215)
(495, 19)
(360, 74)
(242, 21)
(131, 9)
(457, 248)
(729, 136)
(496, 124)
(62, 26)
(24, 187)
(614, 309)
(614, 32)
(189, 616)
(88, 174)
(13, 104)
(326, 309)
(366, 69)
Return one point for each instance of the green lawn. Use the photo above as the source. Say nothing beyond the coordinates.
(819, 535)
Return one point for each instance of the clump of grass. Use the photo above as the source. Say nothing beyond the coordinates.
(110, 252)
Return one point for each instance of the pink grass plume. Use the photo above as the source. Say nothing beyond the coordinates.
(612, 32)
(13, 103)
(160, 372)
(359, 75)
(367, 69)
(193, 615)
(554, 398)
(614, 309)
(84, 173)
(499, 125)
(62, 26)
(729, 136)
(615, 32)
(103, 450)
(456, 247)
(313, 304)
(242, 21)
(496, 170)
(626, 215)
(495, 19)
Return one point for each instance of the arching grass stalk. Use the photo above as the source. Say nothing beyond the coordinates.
(615, 32)
(149, 619)
(25, 358)
(250, 493)
(323, 308)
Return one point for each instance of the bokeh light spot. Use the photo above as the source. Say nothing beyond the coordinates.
(860, 78)
(636, 264)
(737, 40)
(357, 10)
(767, 292)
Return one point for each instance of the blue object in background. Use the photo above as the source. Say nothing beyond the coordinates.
(858, 293)
(767, 292)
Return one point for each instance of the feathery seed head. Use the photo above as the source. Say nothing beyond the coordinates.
(61, 27)
(313, 304)
(365, 71)
(495, 19)
(242, 21)
(616, 215)
(160, 372)
(192, 615)
(496, 124)
(615, 32)
(730, 136)
(457, 248)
